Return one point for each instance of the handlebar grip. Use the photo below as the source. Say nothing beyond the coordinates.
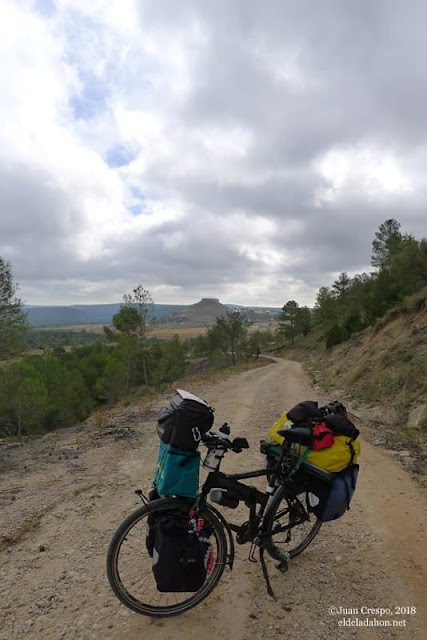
(239, 444)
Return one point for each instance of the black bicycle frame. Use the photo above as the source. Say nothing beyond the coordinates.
(251, 496)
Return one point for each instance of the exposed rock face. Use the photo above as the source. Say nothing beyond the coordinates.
(201, 313)
(418, 417)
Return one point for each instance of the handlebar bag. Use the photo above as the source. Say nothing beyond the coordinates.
(182, 553)
(177, 471)
(184, 421)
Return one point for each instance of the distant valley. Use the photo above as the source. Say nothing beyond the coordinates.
(202, 313)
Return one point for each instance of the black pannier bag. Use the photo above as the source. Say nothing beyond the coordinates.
(181, 553)
(184, 421)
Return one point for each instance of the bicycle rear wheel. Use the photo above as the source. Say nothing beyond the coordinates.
(288, 526)
(129, 564)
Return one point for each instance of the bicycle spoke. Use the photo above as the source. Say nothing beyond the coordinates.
(288, 526)
(129, 565)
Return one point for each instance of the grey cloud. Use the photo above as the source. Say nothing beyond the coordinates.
(365, 63)
(37, 219)
(204, 255)
(362, 68)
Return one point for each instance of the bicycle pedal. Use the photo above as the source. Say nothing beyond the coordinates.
(283, 566)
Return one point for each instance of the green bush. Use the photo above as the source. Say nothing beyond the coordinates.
(336, 335)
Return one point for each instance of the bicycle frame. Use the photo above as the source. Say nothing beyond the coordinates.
(251, 496)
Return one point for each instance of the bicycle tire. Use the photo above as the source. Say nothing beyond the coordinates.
(288, 526)
(129, 564)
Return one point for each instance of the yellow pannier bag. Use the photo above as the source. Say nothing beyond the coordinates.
(334, 459)
(279, 424)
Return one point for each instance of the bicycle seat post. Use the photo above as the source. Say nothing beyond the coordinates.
(274, 478)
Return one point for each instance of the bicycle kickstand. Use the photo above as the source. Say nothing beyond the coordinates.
(265, 574)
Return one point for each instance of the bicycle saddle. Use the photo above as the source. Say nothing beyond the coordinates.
(296, 434)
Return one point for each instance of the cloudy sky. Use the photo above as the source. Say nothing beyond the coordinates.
(238, 149)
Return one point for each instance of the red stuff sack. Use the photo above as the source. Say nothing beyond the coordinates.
(322, 437)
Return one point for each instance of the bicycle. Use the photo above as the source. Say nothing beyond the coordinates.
(278, 523)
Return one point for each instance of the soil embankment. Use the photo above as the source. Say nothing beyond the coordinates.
(62, 499)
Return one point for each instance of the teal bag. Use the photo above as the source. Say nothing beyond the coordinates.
(177, 472)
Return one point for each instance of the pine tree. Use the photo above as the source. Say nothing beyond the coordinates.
(386, 242)
(13, 322)
(288, 318)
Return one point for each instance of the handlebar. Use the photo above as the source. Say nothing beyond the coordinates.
(219, 439)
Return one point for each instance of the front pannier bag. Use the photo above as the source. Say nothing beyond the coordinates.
(182, 553)
(184, 421)
(177, 471)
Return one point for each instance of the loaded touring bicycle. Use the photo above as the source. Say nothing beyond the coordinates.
(169, 554)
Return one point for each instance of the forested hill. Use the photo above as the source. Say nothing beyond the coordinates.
(50, 316)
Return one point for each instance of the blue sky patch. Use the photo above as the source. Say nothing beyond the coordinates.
(92, 100)
(45, 7)
(137, 193)
(137, 209)
(120, 156)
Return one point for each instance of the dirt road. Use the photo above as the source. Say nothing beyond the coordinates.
(62, 499)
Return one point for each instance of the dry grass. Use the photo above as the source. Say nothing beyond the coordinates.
(89, 328)
(183, 333)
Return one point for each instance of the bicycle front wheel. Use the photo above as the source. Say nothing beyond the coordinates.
(129, 563)
(288, 526)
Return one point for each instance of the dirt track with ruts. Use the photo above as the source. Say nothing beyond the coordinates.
(363, 576)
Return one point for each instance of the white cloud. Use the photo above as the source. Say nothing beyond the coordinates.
(374, 172)
(205, 149)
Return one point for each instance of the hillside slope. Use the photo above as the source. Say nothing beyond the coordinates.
(384, 371)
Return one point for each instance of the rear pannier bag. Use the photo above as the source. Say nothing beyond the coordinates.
(182, 553)
(329, 500)
(177, 471)
(184, 421)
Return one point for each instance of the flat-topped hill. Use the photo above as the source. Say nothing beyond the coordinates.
(202, 313)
